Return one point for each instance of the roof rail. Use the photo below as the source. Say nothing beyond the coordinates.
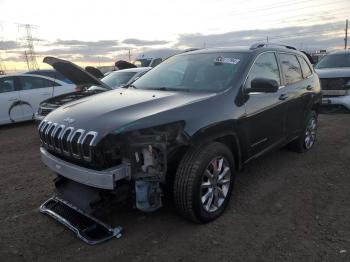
(260, 45)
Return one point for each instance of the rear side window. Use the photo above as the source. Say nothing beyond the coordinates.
(291, 68)
(32, 82)
(7, 84)
(264, 67)
(305, 67)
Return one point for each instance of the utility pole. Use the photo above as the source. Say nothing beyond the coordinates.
(129, 55)
(30, 53)
(267, 40)
(26, 57)
(2, 64)
(346, 34)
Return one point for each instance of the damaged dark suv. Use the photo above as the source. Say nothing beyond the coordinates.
(185, 129)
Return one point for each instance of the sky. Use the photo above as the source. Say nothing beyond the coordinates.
(102, 32)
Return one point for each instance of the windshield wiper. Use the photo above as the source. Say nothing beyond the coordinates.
(163, 88)
(131, 85)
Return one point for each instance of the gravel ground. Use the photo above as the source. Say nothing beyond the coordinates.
(286, 207)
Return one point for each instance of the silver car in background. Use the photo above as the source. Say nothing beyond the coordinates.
(334, 73)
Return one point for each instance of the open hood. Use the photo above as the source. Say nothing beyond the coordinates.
(73, 72)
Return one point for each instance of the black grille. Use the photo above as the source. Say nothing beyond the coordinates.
(335, 83)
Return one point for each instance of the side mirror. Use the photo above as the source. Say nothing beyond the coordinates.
(263, 85)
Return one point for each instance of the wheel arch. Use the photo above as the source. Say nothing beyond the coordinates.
(223, 132)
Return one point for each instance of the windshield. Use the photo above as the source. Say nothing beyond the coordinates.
(334, 61)
(118, 78)
(143, 62)
(193, 72)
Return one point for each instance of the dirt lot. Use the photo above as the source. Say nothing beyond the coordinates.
(286, 207)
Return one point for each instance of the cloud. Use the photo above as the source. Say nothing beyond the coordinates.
(315, 36)
(60, 42)
(9, 45)
(139, 42)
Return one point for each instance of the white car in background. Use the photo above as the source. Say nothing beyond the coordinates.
(334, 73)
(21, 95)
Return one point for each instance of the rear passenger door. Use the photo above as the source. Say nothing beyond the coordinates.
(265, 112)
(294, 91)
(33, 90)
(10, 111)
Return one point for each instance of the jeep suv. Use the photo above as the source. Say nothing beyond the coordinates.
(184, 129)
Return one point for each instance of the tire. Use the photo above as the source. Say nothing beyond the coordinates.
(309, 133)
(206, 173)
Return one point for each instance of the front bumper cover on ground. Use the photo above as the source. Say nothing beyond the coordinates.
(86, 227)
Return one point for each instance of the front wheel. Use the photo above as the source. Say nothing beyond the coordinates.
(204, 182)
(308, 138)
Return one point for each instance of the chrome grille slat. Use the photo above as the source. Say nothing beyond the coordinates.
(68, 130)
(45, 131)
(42, 130)
(66, 140)
(57, 146)
(50, 131)
(88, 157)
(81, 133)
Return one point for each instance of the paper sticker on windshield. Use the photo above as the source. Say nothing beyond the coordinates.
(226, 60)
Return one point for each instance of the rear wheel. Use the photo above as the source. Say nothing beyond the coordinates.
(204, 182)
(308, 138)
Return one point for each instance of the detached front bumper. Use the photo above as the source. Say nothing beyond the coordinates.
(105, 179)
(337, 100)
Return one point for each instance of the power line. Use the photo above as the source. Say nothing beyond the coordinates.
(259, 10)
(30, 55)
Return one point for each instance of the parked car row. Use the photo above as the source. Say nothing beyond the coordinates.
(36, 93)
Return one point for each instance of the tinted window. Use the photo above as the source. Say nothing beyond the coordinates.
(291, 68)
(334, 61)
(305, 67)
(7, 84)
(194, 72)
(156, 62)
(264, 67)
(51, 73)
(118, 78)
(32, 82)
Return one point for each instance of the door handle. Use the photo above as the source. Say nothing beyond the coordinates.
(283, 97)
(45, 94)
(309, 87)
(13, 99)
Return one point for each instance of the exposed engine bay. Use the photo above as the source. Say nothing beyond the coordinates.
(145, 153)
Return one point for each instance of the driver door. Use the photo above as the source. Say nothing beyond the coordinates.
(265, 115)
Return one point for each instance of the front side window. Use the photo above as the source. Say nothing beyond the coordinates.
(264, 67)
(7, 84)
(206, 72)
(334, 61)
(305, 67)
(32, 82)
(291, 68)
